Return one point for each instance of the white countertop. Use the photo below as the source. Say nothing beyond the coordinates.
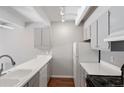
(33, 65)
(102, 68)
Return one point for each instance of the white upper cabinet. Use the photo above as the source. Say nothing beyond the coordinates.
(94, 35)
(37, 38)
(116, 18)
(87, 33)
(104, 21)
(116, 24)
(103, 31)
(46, 38)
(100, 29)
(42, 38)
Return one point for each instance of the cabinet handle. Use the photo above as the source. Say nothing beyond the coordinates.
(109, 22)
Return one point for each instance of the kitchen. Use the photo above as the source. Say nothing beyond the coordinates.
(61, 46)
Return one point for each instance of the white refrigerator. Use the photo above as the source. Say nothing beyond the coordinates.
(82, 52)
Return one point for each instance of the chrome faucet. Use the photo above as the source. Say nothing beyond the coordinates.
(1, 69)
(12, 61)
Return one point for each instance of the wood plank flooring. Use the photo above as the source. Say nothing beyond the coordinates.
(61, 82)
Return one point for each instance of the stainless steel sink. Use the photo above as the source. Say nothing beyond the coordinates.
(8, 82)
(20, 73)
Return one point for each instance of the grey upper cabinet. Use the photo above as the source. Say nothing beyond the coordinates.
(94, 35)
(42, 38)
(116, 18)
(103, 31)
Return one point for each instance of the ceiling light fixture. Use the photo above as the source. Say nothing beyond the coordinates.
(62, 13)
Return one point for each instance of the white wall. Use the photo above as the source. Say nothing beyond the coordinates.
(17, 43)
(63, 36)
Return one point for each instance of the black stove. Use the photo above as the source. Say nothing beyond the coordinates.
(104, 81)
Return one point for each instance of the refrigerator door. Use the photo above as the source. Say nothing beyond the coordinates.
(75, 60)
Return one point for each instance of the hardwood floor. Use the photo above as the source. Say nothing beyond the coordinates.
(61, 82)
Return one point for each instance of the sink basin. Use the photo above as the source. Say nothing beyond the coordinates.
(20, 73)
(8, 82)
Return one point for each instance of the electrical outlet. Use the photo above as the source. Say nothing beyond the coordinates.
(111, 59)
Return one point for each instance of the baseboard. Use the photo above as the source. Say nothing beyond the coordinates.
(61, 76)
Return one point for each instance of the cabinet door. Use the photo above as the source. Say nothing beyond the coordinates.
(49, 70)
(103, 31)
(37, 38)
(116, 18)
(46, 38)
(86, 33)
(82, 78)
(94, 35)
(43, 77)
(42, 38)
(34, 82)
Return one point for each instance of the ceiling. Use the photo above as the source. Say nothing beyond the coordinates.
(53, 13)
(43, 14)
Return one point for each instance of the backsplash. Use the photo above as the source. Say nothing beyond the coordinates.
(118, 57)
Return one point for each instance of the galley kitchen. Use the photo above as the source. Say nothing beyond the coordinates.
(61, 46)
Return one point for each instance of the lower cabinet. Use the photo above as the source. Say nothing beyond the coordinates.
(49, 70)
(41, 78)
(45, 74)
(83, 76)
(33, 82)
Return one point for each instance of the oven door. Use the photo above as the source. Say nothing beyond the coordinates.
(89, 83)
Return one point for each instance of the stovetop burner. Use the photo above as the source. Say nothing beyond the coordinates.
(104, 81)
